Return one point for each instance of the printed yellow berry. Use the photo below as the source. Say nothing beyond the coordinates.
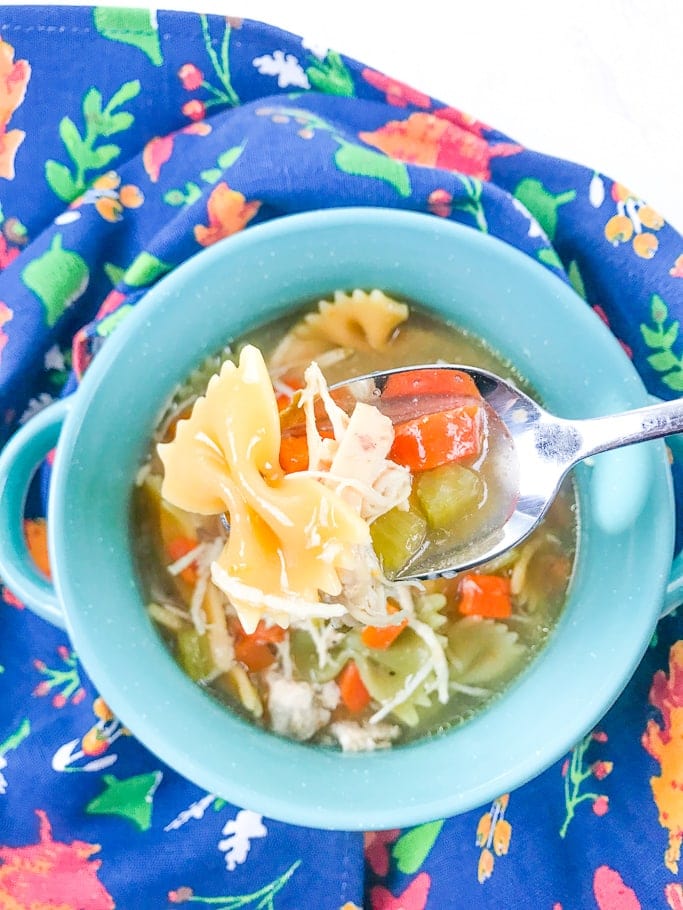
(645, 245)
(501, 837)
(619, 229)
(483, 829)
(650, 218)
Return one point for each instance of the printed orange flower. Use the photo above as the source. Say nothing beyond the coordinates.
(14, 77)
(435, 142)
(109, 197)
(676, 270)
(397, 93)
(228, 212)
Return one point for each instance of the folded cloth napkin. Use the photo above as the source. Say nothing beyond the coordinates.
(129, 142)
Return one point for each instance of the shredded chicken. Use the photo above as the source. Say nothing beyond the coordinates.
(299, 709)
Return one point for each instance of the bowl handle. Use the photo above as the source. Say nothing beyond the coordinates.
(18, 462)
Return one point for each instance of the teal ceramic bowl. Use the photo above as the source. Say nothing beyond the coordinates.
(522, 310)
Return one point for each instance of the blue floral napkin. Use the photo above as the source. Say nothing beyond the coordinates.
(130, 141)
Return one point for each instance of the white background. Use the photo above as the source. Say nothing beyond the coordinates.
(596, 81)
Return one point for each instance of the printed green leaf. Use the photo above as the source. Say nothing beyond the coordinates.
(576, 280)
(542, 204)
(331, 76)
(651, 338)
(669, 337)
(57, 278)
(130, 26)
(102, 156)
(412, 848)
(92, 103)
(15, 739)
(548, 256)
(361, 162)
(60, 181)
(126, 92)
(114, 272)
(663, 361)
(107, 325)
(658, 309)
(70, 137)
(116, 123)
(174, 197)
(228, 158)
(674, 380)
(130, 798)
(212, 175)
(192, 193)
(145, 270)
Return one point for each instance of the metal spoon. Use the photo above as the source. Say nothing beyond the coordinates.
(538, 451)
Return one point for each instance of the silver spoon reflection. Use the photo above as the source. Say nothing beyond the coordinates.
(535, 450)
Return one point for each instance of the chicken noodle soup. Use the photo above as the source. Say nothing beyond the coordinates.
(272, 524)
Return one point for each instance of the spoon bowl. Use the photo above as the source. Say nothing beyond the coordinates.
(533, 449)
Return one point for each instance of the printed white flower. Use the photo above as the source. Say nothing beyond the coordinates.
(596, 191)
(241, 830)
(318, 50)
(35, 405)
(54, 359)
(286, 67)
(535, 229)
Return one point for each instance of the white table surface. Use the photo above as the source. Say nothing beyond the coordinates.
(596, 81)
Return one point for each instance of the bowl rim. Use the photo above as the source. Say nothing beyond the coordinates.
(290, 805)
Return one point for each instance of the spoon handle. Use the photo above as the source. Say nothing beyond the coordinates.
(599, 434)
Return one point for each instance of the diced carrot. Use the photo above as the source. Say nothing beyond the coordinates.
(381, 637)
(284, 399)
(255, 650)
(181, 546)
(352, 689)
(255, 655)
(435, 439)
(485, 595)
(293, 453)
(454, 383)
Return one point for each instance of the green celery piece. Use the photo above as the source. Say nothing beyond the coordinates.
(448, 493)
(194, 654)
(397, 536)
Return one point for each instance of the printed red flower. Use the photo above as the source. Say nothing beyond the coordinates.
(413, 898)
(602, 768)
(565, 767)
(11, 599)
(190, 76)
(159, 149)
(180, 895)
(439, 203)
(111, 302)
(59, 701)
(7, 253)
(376, 852)
(42, 688)
(397, 93)
(466, 121)
(601, 805)
(195, 109)
(598, 735)
(611, 893)
(228, 213)
(674, 895)
(434, 142)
